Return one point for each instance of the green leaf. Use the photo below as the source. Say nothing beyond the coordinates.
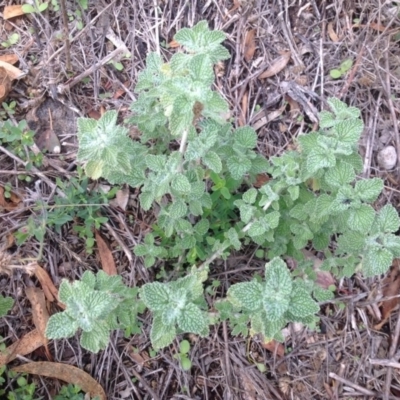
(181, 184)
(161, 335)
(388, 219)
(184, 347)
(192, 319)
(278, 287)
(246, 295)
(349, 131)
(6, 304)
(250, 196)
(28, 9)
(233, 238)
(60, 326)
(156, 163)
(362, 218)
(212, 161)
(246, 137)
(155, 296)
(346, 65)
(335, 73)
(320, 158)
(178, 209)
(341, 174)
(146, 200)
(302, 304)
(376, 261)
(368, 190)
(95, 340)
(238, 166)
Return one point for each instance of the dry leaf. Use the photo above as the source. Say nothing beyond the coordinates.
(28, 343)
(9, 58)
(391, 288)
(5, 84)
(242, 117)
(276, 66)
(12, 11)
(10, 203)
(47, 140)
(250, 45)
(268, 118)
(66, 373)
(106, 257)
(173, 44)
(40, 314)
(332, 33)
(236, 5)
(39, 310)
(274, 347)
(121, 199)
(50, 291)
(12, 72)
(94, 114)
(261, 179)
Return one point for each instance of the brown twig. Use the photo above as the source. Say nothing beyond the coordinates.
(66, 35)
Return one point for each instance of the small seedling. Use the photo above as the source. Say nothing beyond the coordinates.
(182, 356)
(37, 7)
(12, 39)
(344, 67)
(8, 109)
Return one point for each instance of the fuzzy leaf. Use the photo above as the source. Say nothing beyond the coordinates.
(349, 131)
(212, 161)
(178, 209)
(181, 184)
(388, 219)
(246, 295)
(155, 296)
(192, 319)
(61, 325)
(233, 238)
(95, 340)
(302, 304)
(246, 137)
(250, 196)
(361, 219)
(340, 174)
(161, 335)
(146, 200)
(368, 190)
(278, 287)
(376, 261)
(238, 166)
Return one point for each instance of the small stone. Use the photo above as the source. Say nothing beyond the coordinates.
(387, 157)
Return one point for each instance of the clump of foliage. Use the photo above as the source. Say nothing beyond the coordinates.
(196, 172)
(80, 206)
(6, 304)
(18, 139)
(96, 305)
(14, 387)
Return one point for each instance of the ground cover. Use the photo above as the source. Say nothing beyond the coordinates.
(286, 61)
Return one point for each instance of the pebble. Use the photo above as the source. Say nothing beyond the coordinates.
(387, 157)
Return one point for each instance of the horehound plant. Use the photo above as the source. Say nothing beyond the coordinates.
(195, 171)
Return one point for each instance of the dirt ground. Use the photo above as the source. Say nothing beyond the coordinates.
(279, 76)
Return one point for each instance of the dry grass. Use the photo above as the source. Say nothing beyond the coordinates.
(335, 363)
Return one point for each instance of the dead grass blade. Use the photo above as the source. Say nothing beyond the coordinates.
(277, 65)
